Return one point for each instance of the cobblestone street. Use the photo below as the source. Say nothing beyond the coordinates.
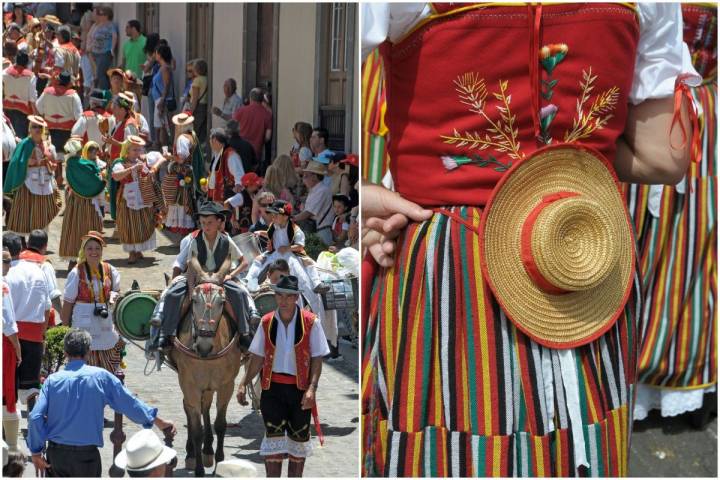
(337, 394)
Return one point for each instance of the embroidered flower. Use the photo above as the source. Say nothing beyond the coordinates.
(547, 115)
(551, 55)
(449, 163)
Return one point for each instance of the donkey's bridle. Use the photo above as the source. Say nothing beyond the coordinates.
(205, 333)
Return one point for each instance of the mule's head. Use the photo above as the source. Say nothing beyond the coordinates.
(208, 301)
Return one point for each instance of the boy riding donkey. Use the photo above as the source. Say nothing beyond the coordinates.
(211, 247)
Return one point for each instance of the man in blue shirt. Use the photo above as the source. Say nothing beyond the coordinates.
(69, 413)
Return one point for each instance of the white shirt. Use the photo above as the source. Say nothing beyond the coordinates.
(661, 54)
(49, 272)
(284, 361)
(14, 85)
(182, 147)
(280, 237)
(191, 248)
(234, 165)
(29, 291)
(38, 179)
(319, 202)
(49, 105)
(8, 140)
(72, 284)
(90, 125)
(184, 244)
(8, 313)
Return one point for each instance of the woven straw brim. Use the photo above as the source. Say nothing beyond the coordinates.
(570, 319)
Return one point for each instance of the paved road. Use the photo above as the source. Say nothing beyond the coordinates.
(337, 393)
(660, 447)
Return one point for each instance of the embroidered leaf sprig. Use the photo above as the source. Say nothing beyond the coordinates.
(599, 113)
(451, 162)
(501, 134)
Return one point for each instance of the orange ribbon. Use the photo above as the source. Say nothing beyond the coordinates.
(683, 90)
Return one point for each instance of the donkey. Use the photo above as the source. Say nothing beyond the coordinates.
(207, 360)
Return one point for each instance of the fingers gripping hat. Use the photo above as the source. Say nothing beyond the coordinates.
(557, 246)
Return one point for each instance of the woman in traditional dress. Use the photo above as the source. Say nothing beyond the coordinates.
(82, 210)
(30, 177)
(90, 292)
(677, 237)
(184, 168)
(133, 201)
(451, 383)
(126, 124)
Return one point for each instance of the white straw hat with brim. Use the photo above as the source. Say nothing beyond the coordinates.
(316, 167)
(144, 451)
(236, 468)
(557, 246)
(135, 140)
(37, 120)
(182, 119)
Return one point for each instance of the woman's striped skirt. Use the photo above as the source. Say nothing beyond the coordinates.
(109, 359)
(29, 211)
(678, 266)
(451, 388)
(80, 217)
(136, 228)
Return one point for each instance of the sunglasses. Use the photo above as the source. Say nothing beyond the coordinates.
(7, 262)
(265, 205)
(36, 127)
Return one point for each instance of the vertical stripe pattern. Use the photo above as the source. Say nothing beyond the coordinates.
(29, 211)
(80, 217)
(678, 255)
(466, 393)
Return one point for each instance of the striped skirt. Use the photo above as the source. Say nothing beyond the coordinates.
(30, 211)
(80, 217)
(108, 359)
(136, 228)
(678, 265)
(451, 388)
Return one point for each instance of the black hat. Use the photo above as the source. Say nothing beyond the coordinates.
(287, 284)
(212, 208)
(280, 206)
(64, 78)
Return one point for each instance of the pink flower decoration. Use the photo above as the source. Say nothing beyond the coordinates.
(449, 163)
(547, 111)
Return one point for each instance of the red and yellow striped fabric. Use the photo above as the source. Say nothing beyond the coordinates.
(678, 249)
(374, 130)
(451, 388)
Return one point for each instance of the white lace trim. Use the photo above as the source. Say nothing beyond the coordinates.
(176, 217)
(148, 244)
(670, 402)
(277, 445)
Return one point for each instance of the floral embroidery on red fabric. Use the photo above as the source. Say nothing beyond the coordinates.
(500, 134)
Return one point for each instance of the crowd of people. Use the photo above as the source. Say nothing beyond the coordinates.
(76, 144)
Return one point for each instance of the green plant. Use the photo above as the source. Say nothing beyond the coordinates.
(54, 354)
(314, 245)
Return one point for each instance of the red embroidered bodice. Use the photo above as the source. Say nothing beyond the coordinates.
(473, 89)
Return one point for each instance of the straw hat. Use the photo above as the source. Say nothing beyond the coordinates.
(182, 119)
(51, 19)
(136, 140)
(95, 236)
(316, 167)
(557, 246)
(115, 71)
(129, 99)
(37, 120)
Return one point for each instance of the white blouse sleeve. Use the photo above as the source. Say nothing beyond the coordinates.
(661, 55)
(182, 147)
(389, 21)
(71, 286)
(115, 275)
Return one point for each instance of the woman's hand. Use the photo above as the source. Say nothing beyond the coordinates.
(385, 215)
